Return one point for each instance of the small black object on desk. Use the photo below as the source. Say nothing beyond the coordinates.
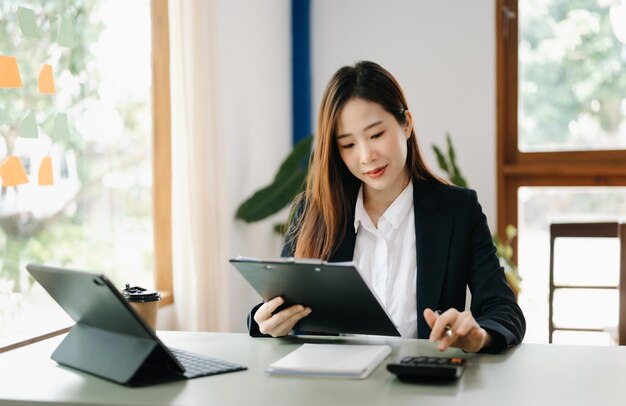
(428, 368)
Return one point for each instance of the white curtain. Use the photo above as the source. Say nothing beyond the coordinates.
(199, 226)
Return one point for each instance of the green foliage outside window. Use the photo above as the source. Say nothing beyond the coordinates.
(23, 235)
(572, 76)
(87, 228)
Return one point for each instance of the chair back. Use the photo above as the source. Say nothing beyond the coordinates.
(590, 230)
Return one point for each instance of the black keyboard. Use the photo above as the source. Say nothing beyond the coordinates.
(429, 368)
(197, 365)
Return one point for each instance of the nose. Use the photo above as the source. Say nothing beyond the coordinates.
(367, 153)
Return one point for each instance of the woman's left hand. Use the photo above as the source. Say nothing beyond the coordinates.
(456, 329)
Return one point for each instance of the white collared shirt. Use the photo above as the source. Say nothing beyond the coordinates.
(386, 258)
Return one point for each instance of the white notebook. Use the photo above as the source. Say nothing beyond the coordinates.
(333, 360)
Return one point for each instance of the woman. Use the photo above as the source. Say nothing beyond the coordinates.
(416, 240)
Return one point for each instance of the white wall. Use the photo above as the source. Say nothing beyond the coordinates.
(443, 55)
(255, 73)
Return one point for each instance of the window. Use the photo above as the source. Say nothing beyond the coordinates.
(100, 134)
(571, 76)
(577, 261)
(561, 127)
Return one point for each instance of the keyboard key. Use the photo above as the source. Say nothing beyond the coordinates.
(197, 365)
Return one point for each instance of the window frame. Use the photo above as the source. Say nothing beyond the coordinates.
(516, 169)
(162, 147)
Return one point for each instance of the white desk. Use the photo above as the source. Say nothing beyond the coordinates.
(531, 374)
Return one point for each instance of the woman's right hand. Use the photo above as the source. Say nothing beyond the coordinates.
(281, 323)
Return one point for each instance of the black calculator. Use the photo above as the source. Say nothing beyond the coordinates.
(428, 368)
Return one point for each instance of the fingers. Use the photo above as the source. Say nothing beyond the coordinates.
(459, 332)
(465, 333)
(286, 326)
(430, 317)
(474, 337)
(282, 322)
(438, 328)
(265, 312)
(442, 329)
(465, 326)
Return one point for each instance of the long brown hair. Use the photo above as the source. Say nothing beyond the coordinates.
(331, 190)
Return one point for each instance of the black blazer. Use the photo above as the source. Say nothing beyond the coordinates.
(454, 250)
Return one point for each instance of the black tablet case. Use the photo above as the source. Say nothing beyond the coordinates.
(340, 300)
(110, 339)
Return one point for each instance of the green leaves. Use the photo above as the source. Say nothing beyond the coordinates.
(441, 160)
(287, 184)
(571, 76)
(511, 232)
(448, 163)
(504, 251)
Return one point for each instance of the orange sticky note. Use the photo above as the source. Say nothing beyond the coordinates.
(12, 172)
(9, 73)
(46, 81)
(45, 172)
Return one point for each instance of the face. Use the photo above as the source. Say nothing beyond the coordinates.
(373, 145)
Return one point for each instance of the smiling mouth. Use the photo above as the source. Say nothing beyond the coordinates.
(376, 173)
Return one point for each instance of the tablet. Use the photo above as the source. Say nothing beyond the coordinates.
(340, 300)
(110, 339)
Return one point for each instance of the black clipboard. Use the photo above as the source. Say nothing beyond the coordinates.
(341, 301)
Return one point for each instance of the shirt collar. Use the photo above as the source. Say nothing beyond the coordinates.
(394, 214)
(360, 215)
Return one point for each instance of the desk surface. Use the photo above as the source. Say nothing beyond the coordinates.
(530, 374)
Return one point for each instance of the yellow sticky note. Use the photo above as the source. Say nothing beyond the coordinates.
(9, 73)
(46, 81)
(45, 172)
(12, 172)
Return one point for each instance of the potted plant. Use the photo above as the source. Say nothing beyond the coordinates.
(287, 184)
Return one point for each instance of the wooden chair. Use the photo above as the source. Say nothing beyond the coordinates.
(590, 230)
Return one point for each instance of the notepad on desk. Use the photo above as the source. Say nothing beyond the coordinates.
(331, 360)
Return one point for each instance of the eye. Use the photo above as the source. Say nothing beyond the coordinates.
(377, 135)
(347, 146)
